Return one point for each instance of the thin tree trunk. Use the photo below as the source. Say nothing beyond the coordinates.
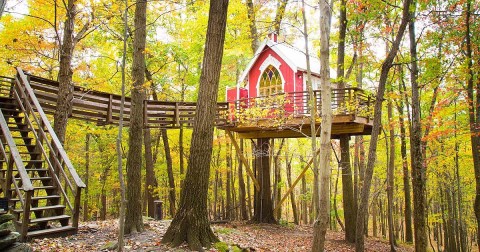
(228, 189)
(292, 194)
(171, 178)
(121, 218)
(150, 180)
(252, 25)
(349, 204)
(191, 222)
(277, 195)
(321, 223)
(386, 65)
(281, 7)
(304, 201)
(390, 180)
(87, 175)
(241, 187)
(406, 176)
(419, 178)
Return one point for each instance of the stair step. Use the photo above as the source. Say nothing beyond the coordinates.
(16, 129)
(51, 218)
(33, 161)
(28, 152)
(20, 137)
(52, 232)
(37, 188)
(37, 178)
(11, 109)
(40, 198)
(38, 209)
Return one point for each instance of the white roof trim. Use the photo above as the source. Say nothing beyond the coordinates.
(259, 51)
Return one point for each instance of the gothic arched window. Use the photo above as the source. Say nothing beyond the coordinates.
(270, 82)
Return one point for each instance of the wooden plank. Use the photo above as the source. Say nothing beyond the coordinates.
(244, 160)
(296, 180)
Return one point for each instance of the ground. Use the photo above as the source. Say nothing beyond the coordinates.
(96, 236)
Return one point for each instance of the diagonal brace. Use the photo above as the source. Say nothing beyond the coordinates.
(244, 160)
(296, 180)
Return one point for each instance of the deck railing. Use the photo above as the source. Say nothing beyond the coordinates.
(346, 101)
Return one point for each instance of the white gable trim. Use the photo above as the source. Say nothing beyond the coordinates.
(270, 60)
(259, 51)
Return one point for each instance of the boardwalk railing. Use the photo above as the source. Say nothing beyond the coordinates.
(104, 108)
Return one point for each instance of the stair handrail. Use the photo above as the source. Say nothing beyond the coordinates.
(58, 145)
(17, 159)
(44, 136)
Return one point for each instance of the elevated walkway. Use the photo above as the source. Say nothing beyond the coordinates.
(44, 189)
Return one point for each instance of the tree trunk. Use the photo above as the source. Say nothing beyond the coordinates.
(263, 204)
(321, 223)
(390, 180)
(228, 189)
(386, 65)
(87, 175)
(292, 194)
(406, 177)
(281, 7)
(133, 216)
(191, 222)
(241, 187)
(474, 116)
(65, 72)
(150, 179)
(417, 159)
(171, 179)
(252, 25)
(277, 193)
(349, 205)
(304, 201)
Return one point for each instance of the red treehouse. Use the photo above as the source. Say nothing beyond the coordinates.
(271, 100)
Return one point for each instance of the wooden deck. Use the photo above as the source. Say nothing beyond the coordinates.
(287, 115)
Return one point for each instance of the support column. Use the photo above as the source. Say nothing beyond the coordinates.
(263, 205)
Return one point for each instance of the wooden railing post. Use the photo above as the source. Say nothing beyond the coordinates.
(8, 179)
(26, 215)
(145, 114)
(76, 208)
(177, 114)
(110, 109)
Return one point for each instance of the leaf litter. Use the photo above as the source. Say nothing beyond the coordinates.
(102, 236)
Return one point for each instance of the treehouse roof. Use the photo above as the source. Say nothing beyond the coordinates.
(294, 57)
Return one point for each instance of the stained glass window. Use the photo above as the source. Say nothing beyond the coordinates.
(270, 82)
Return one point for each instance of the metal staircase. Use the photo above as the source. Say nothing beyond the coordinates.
(42, 187)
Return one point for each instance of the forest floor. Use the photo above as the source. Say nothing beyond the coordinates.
(96, 236)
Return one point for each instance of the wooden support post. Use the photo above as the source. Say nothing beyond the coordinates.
(109, 110)
(145, 114)
(76, 207)
(26, 215)
(244, 160)
(177, 115)
(296, 181)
